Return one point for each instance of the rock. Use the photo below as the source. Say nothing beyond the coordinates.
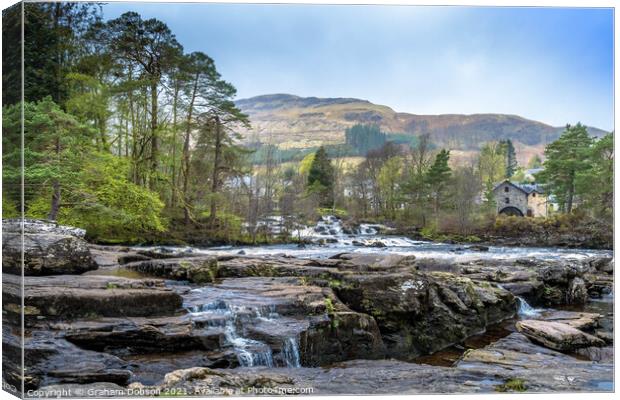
(607, 336)
(556, 335)
(52, 360)
(538, 368)
(135, 335)
(480, 371)
(133, 257)
(324, 328)
(241, 252)
(75, 296)
(194, 269)
(96, 389)
(420, 313)
(49, 249)
(603, 264)
(597, 354)
(478, 247)
(204, 381)
(578, 320)
(37, 226)
(577, 292)
(377, 243)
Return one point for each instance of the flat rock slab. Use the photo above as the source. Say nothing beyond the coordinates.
(74, 296)
(52, 360)
(539, 368)
(578, 320)
(122, 336)
(557, 335)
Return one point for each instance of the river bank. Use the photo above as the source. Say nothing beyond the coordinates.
(336, 317)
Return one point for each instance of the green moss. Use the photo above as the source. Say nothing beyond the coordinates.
(111, 285)
(512, 385)
(329, 306)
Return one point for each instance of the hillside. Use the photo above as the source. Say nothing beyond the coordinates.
(298, 122)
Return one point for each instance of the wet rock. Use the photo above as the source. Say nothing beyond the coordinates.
(49, 249)
(538, 368)
(75, 296)
(201, 381)
(578, 320)
(598, 354)
(421, 313)
(603, 264)
(52, 360)
(478, 247)
(195, 269)
(132, 257)
(556, 335)
(577, 292)
(377, 243)
(123, 336)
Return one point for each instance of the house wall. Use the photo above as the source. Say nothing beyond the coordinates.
(538, 204)
(516, 198)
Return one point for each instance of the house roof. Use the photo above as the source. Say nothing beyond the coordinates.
(526, 188)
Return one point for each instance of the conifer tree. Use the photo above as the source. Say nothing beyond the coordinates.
(321, 178)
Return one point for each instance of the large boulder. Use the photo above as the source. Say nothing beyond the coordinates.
(557, 335)
(48, 249)
(420, 313)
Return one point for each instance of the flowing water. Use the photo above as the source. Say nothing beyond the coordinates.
(232, 313)
(328, 238)
(236, 314)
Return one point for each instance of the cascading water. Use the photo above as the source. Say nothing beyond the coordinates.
(229, 318)
(525, 310)
(290, 353)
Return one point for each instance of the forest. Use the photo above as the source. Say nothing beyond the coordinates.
(136, 140)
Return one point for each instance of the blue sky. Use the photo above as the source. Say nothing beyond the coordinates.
(554, 65)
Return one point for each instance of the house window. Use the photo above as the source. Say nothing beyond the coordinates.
(507, 200)
(533, 194)
(506, 189)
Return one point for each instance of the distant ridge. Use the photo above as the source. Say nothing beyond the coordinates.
(291, 121)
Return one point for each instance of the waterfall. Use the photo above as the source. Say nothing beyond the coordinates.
(290, 353)
(228, 318)
(525, 310)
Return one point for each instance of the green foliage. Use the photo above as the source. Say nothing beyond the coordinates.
(491, 167)
(364, 138)
(388, 181)
(112, 205)
(534, 162)
(566, 158)
(321, 178)
(512, 385)
(56, 145)
(595, 184)
(9, 210)
(510, 157)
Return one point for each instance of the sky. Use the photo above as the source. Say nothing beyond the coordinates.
(553, 65)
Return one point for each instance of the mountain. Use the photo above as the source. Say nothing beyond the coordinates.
(298, 122)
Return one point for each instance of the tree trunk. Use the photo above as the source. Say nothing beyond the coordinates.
(571, 194)
(154, 139)
(215, 184)
(55, 206)
(173, 194)
(186, 155)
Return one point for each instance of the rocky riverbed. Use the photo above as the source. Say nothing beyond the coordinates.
(329, 318)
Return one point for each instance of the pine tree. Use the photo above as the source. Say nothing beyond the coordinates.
(437, 179)
(321, 178)
(565, 159)
(511, 159)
